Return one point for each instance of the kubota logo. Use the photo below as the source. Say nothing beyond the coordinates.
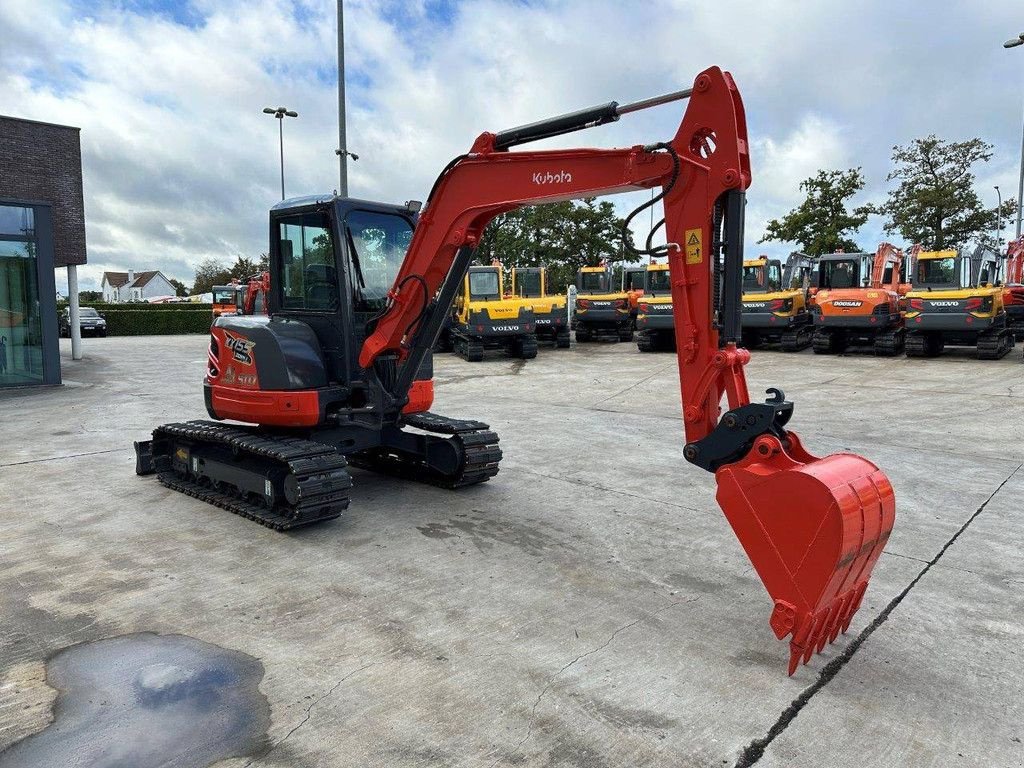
(945, 303)
(846, 303)
(562, 177)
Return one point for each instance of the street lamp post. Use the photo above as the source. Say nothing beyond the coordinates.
(999, 219)
(343, 154)
(280, 113)
(1019, 40)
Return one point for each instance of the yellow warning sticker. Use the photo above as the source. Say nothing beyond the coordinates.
(694, 241)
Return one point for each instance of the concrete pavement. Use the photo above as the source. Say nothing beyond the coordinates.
(588, 607)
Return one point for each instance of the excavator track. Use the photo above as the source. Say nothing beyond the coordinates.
(478, 446)
(279, 482)
(797, 339)
(992, 346)
(889, 343)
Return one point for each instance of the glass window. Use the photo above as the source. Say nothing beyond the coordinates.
(844, 273)
(17, 221)
(224, 294)
(310, 278)
(937, 272)
(87, 312)
(484, 285)
(593, 282)
(377, 244)
(659, 281)
(528, 283)
(635, 280)
(21, 338)
(774, 275)
(754, 279)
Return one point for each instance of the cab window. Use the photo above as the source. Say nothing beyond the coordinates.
(839, 273)
(635, 280)
(659, 280)
(377, 244)
(754, 279)
(937, 272)
(593, 282)
(528, 284)
(774, 276)
(484, 285)
(309, 276)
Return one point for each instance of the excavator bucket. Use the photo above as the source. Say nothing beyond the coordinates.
(813, 529)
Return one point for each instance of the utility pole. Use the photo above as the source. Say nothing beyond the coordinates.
(342, 150)
(999, 219)
(280, 113)
(1019, 40)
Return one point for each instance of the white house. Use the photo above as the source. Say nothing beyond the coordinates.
(120, 287)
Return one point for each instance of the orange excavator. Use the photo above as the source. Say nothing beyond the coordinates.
(339, 371)
(1013, 287)
(858, 302)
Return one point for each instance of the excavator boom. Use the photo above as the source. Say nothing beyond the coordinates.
(813, 528)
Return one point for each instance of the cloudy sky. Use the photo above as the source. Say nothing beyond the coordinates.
(180, 163)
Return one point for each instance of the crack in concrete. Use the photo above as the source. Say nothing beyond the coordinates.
(596, 487)
(60, 458)
(308, 713)
(905, 557)
(634, 385)
(551, 680)
(755, 750)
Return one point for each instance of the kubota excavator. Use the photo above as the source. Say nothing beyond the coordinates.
(858, 302)
(341, 366)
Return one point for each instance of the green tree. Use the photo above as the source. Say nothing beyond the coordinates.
(245, 267)
(561, 236)
(180, 288)
(85, 297)
(934, 202)
(209, 273)
(823, 222)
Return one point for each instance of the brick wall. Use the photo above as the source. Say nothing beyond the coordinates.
(42, 163)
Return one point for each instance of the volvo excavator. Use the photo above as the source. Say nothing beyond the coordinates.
(339, 372)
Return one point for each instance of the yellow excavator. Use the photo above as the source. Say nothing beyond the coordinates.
(655, 321)
(530, 289)
(600, 309)
(482, 318)
(957, 301)
(775, 302)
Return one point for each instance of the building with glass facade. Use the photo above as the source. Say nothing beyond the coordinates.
(42, 227)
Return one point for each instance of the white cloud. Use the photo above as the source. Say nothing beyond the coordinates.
(180, 163)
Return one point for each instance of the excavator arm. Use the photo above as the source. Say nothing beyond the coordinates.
(813, 528)
(886, 255)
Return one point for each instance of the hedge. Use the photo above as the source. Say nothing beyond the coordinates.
(156, 322)
(103, 308)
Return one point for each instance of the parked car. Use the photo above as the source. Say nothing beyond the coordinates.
(89, 320)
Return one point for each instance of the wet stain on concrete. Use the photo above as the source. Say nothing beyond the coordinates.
(484, 532)
(147, 700)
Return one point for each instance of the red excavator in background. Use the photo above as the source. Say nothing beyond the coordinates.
(858, 302)
(359, 290)
(1013, 287)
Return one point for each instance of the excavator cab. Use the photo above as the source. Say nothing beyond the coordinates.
(530, 287)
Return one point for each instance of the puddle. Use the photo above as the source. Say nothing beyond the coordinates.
(146, 700)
